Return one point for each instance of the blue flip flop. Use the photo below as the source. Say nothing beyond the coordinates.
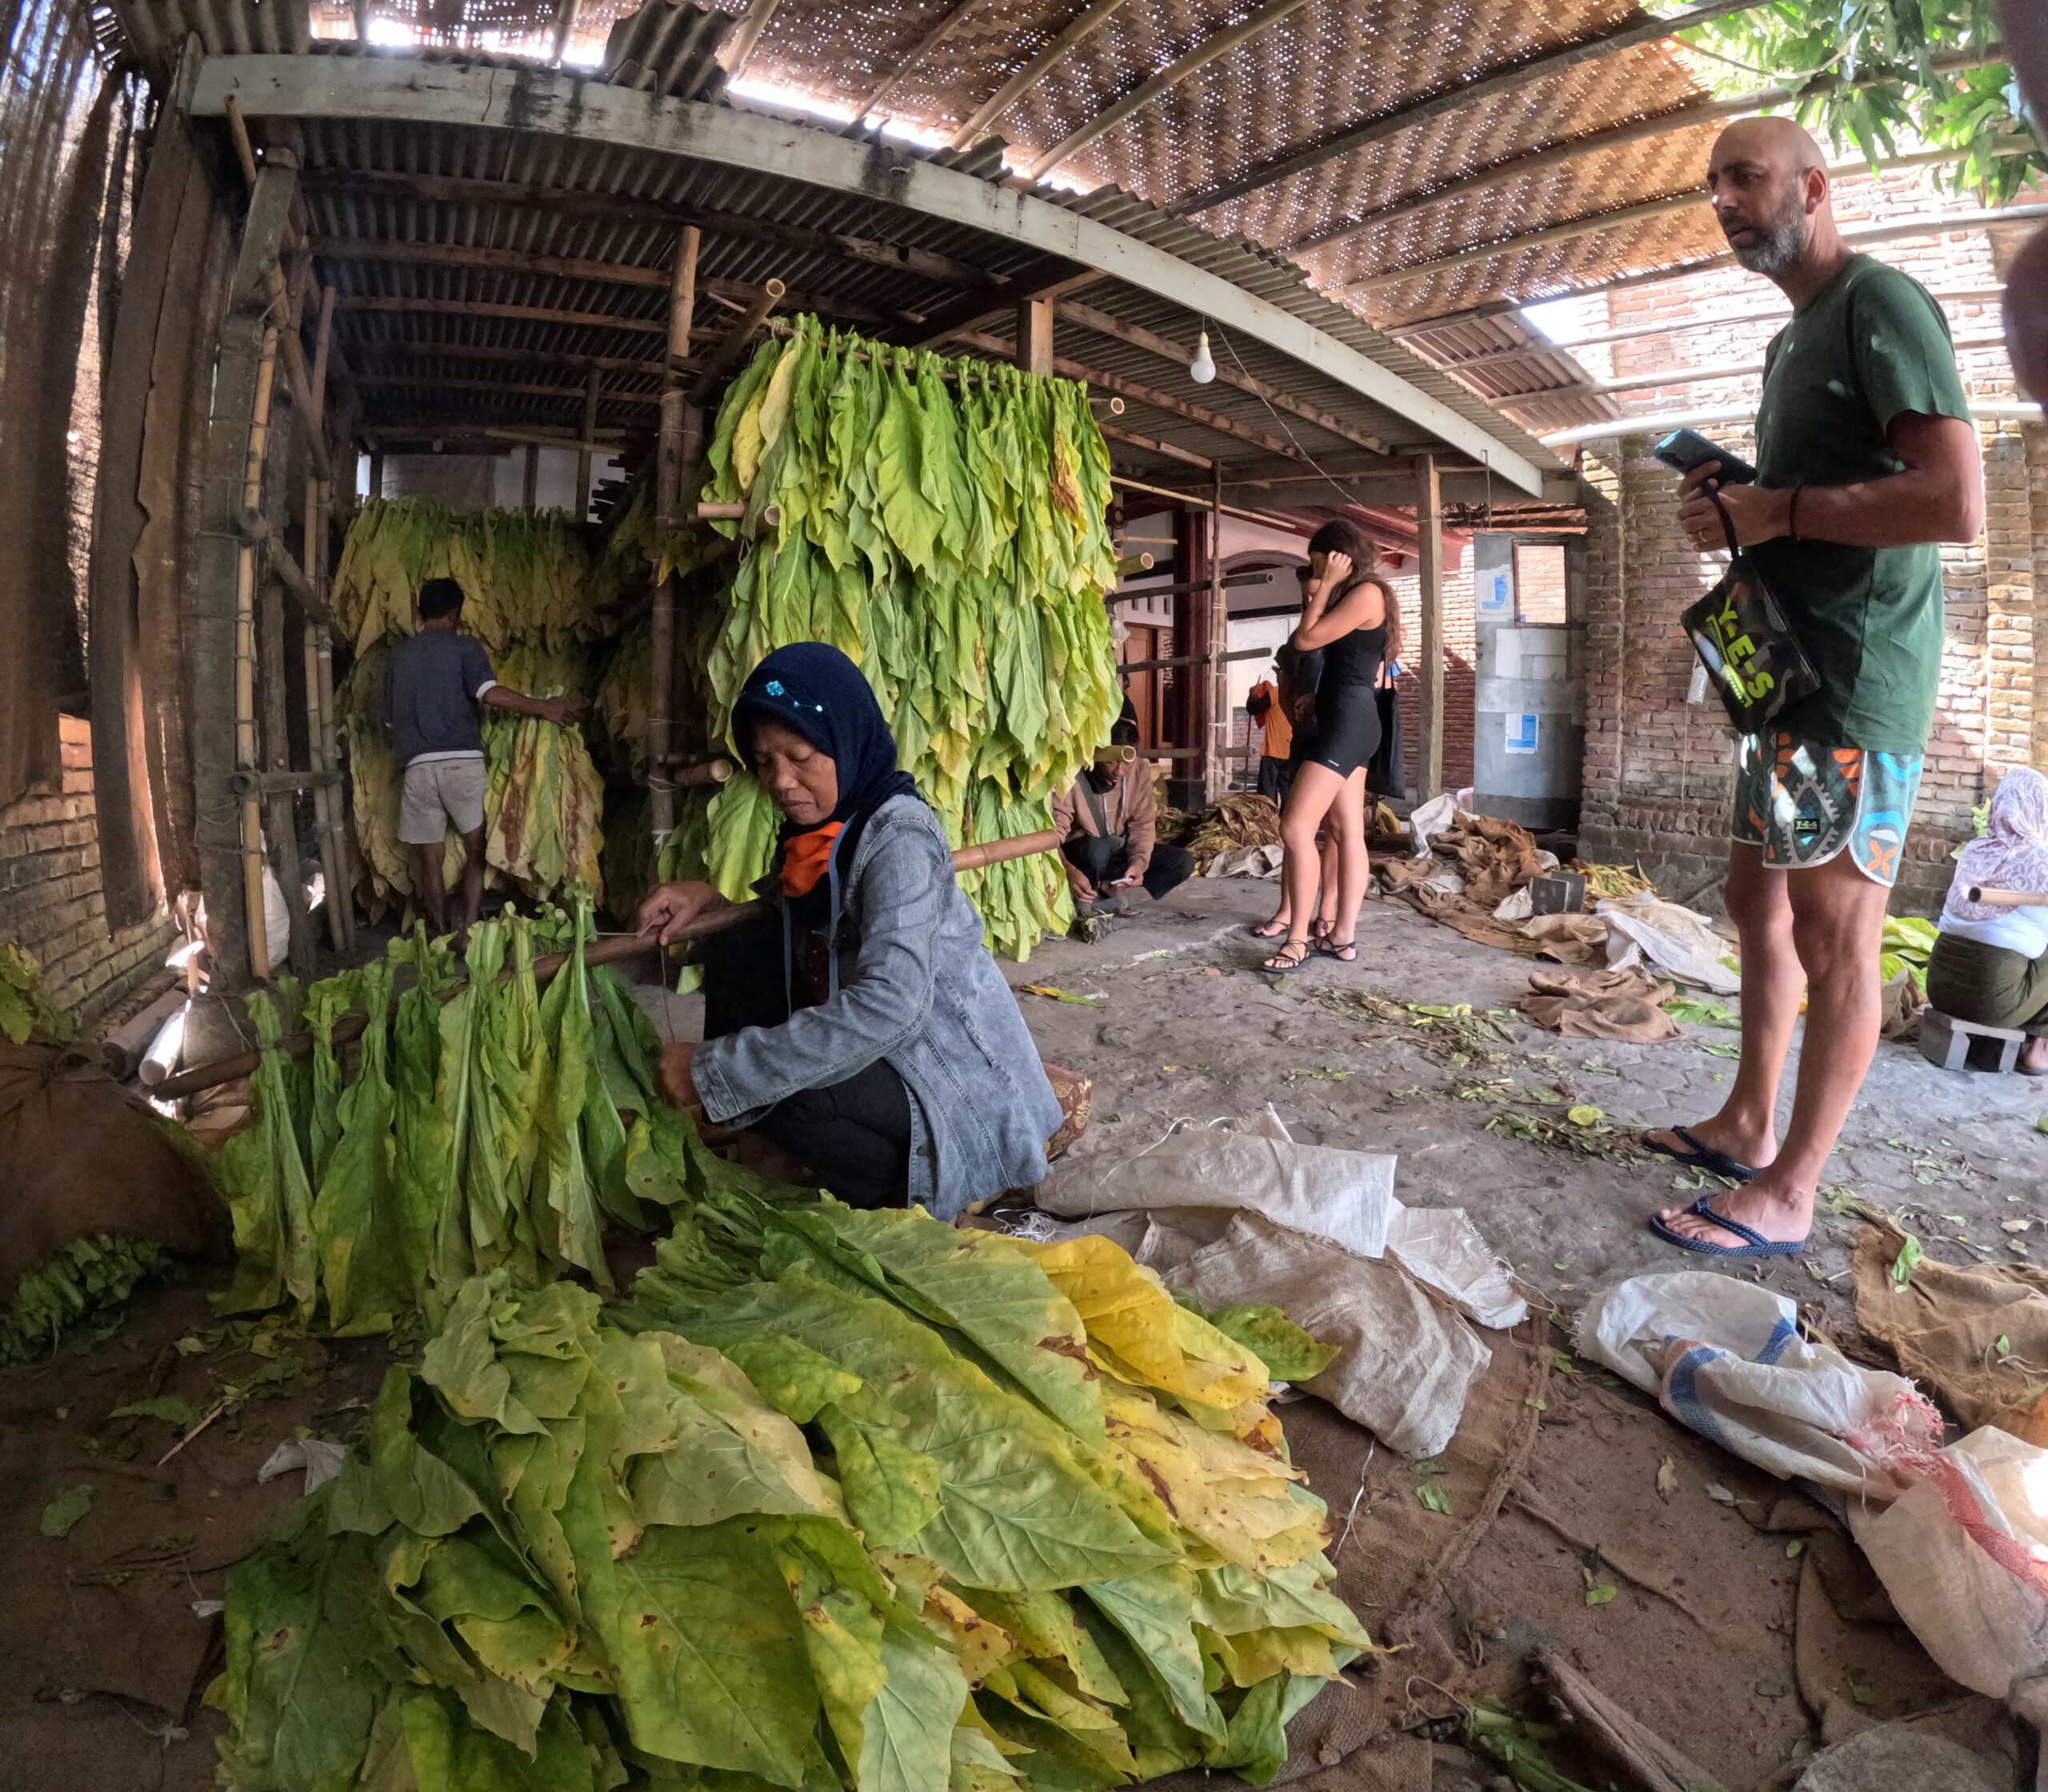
(1699, 1155)
(1757, 1244)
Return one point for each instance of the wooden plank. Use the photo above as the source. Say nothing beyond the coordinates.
(583, 454)
(1429, 518)
(370, 348)
(669, 476)
(512, 313)
(469, 190)
(1216, 44)
(727, 349)
(1088, 317)
(1082, 25)
(543, 103)
(1034, 335)
(1186, 456)
(521, 389)
(1502, 77)
(1049, 276)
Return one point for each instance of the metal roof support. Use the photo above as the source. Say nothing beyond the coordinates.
(1483, 86)
(1088, 317)
(1082, 25)
(1619, 219)
(545, 102)
(1171, 76)
(1855, 234)
(1615, 137)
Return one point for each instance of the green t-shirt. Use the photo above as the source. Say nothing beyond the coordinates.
(1870, 346)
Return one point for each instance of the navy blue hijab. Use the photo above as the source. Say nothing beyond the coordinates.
(814, 688)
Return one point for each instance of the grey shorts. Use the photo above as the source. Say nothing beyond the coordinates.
(437, 792)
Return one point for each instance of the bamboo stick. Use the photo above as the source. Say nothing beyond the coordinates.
(727, 349)
(246, 749)
(602, 952)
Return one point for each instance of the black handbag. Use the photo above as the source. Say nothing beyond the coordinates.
(1745, 644)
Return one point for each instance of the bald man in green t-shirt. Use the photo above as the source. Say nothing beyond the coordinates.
(1866, 460)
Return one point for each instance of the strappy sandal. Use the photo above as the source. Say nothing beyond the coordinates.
(1344, 951)
(1285, 962)
(1269, 929)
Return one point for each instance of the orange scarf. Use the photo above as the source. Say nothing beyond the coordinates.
(806, 856)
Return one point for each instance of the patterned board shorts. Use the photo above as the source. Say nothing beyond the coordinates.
(1803, 804)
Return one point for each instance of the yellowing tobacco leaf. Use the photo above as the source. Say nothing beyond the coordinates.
(1127, 1309)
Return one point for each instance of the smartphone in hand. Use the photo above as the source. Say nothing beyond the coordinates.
(1684, 450)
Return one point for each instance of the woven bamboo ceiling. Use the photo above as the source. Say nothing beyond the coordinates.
(1317, 128)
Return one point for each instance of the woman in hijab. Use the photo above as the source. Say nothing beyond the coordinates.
(1989, 967)
(858, 1023)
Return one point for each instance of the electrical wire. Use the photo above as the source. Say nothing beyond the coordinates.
(1285, 429)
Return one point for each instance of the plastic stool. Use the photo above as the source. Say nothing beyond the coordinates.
(1949, 1043)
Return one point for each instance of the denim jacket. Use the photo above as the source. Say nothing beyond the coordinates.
(921, 993)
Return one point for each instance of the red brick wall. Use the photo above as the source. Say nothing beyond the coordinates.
(51, 899)
(1658, 770)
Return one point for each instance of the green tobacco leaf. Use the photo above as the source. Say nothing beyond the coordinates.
(709, 1655)
(1289, 1353)
(1910, 1253)
(63, 1512)
(1434, 1497)
(712, 1472)
(1155, 1611)
(1600, 1594)
(1019, 1509)
(1701, 1014)
(987, 1288)
(907, 1741)
(444, 1753)
(413, 1484)
(891, 1490)
(792, 1378)
(1046, 1628)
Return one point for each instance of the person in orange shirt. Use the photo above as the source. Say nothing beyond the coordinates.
(1269, 715)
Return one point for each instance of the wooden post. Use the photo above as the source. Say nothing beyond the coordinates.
(1216, 769)
(669, 473)
(377, 473)
(530, 495)
(1034, 335)
(1191, 709)
(1428, 536)
(583, 456)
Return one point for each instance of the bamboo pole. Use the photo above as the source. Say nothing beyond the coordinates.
(727, 350)
(602, 952)
(309, 637)
(247, 753)
(669, 475)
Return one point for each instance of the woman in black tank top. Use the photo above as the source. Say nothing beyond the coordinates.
(1351, 615)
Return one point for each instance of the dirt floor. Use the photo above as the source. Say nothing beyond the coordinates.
(1730, 1616)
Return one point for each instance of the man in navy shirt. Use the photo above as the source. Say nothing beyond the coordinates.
(436, 687)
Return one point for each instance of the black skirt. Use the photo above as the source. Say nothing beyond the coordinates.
(1347, 732)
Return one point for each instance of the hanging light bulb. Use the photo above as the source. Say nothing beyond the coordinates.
(1202, 369)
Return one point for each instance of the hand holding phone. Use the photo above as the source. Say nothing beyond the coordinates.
(1687, 451)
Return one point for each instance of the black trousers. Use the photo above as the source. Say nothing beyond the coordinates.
(855, 1135)
(1101, 859)
(1276, 778)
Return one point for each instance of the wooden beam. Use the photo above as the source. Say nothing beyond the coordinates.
(1034, 335)
(370, 347)
(669, 476)
(466, 191)
(1217, 634)
(517, 389)
(1083, 25)
(998, 349)
(375, 91)
(1429, 520)
(1484, 85)
(1104, 325)
(949, 22)
(1051, 277)
(562, 267)
(531, 487)
(1216, 44)
(1187, 456)
(1619, 219)
(512, 313)
(728, 348)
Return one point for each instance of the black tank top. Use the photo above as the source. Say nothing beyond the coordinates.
(1354, 658)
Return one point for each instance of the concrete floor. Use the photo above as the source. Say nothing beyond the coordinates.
(1191, 1028)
